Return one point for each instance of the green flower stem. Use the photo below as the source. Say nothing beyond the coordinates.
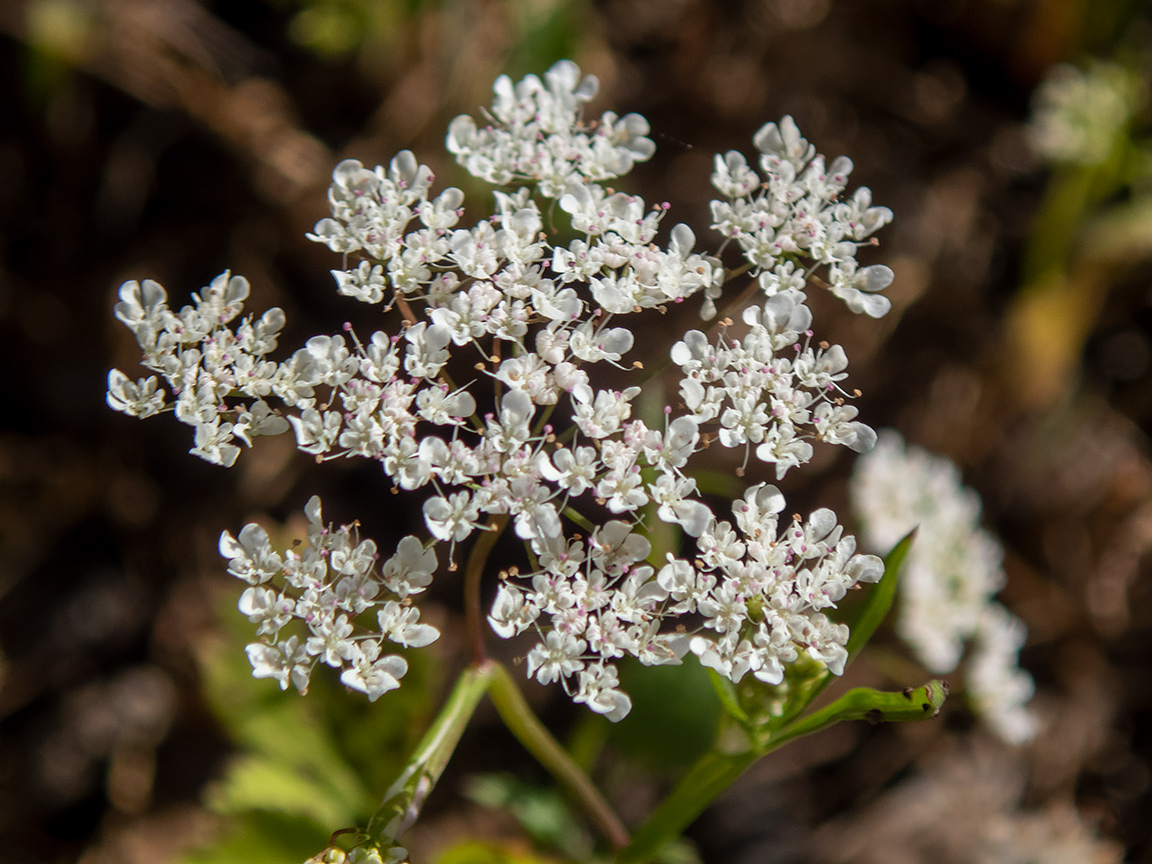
(580, 519)
(473, 573)
(715, 771)
(875, 706)
(538, 741)
(712, 774)
(405, 798)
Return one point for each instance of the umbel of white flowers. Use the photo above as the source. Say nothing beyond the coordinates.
(532, 321)
(949, 578)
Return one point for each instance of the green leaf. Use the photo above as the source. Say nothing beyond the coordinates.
(540, 810)
(877, 604)
(291, 749)
(490, 852)
(263, 838)
(259, 783)
(729, 699)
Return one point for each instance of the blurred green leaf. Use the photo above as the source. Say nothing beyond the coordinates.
(490, 852)
(673, 717)
(320, 763)
(540, 810)
(879, 599)
(259, 783)
(264, 838)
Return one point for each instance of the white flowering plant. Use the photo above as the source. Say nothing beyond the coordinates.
(493, 398)
(948, 579)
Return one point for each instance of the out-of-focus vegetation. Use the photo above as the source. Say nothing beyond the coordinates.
(173, 139)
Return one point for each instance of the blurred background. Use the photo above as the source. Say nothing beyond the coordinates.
(174, 139)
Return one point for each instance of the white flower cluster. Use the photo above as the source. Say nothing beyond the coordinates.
(536, 134)
(203, 361)
(327, 586)
(757, 592)
(761, 397)
(1077, 115)
(794, 210)
(949, 577)
(530, 321)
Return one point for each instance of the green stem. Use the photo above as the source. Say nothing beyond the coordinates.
(580, 519)
(538, 741)
(473, 573)
(405, 798)
(712, 774)
(864, 703)
(715, 771)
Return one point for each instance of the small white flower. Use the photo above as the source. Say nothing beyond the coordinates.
(451, 518)
(250, 557)
(140, 399)
(401, 625)
(286, 662)
(557, 657)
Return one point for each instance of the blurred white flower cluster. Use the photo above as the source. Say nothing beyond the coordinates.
(328, 586)
(949, 578)
(533, 434)
(1077, 115)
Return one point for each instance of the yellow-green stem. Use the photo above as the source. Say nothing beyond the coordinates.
(537, 740)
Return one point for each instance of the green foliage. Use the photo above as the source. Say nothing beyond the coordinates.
(673, 717)
(489, 852)
(302, 766)
(263, 837)
(540, 810)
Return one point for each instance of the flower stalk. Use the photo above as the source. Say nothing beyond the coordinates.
(529, 731)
